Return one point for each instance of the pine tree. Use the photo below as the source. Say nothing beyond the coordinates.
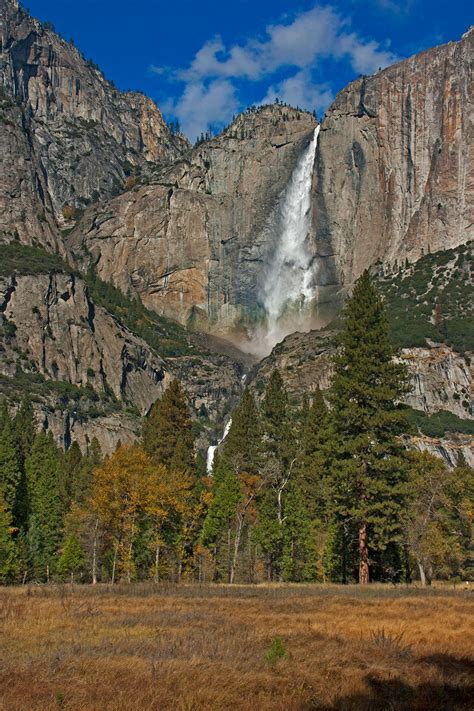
(72, 559)
(8, 557)
(10, 474)
(72, 465)
(218, 530)
(24, 430)
(167, 432)
(368, 469)
(276, 422)
(242, 444)
(280, 448)
(46, 508)
(299, 559)
(312, 464)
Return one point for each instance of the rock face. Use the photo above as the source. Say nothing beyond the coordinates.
(394, 168)
(53, 336)
(193, 244)
(68, 137)
(441, 380)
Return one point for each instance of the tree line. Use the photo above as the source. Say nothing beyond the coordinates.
(319, 490)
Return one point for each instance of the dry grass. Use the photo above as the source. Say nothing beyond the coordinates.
(192, 648)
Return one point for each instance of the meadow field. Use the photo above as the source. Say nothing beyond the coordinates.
(236, 647)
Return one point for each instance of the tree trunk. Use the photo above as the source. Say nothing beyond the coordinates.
(425, 573)
(238, 533)
(229, 554)
(94, 555)
(114, 563)
(422, 573)
(363, 556)
(406, 555)
(157, 564)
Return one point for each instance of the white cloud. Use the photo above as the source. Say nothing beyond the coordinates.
(320, 32)
(300, 90)
(202, 104)
(299, 43)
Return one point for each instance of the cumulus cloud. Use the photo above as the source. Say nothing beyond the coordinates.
(296, 44)
(201, 105)
(300, 90)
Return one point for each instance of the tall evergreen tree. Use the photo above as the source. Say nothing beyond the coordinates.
(280, 447)
(218, 531)
(368, 468)
(8, 557)
(46, 505)
(10, 473)
(242, 444)
(24, 430)
(312, 465)
(167, 432)
(276, 421)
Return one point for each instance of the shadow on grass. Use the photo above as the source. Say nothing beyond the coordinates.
(453, 692)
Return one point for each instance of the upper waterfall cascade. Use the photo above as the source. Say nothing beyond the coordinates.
(289, 279)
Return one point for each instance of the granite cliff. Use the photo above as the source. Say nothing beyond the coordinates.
(68, 136)
(393, 175)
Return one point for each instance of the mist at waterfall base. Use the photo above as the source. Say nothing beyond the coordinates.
(289, 287)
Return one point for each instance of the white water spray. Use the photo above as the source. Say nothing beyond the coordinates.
(211, 451)
(288, 289)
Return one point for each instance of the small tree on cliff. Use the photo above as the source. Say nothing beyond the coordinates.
(367, 473)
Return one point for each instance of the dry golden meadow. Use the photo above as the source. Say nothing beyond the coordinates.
(280, 647)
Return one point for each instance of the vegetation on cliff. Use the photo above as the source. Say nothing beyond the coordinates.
(432, 299)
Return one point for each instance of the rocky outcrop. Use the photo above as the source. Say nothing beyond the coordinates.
(393, 175)
(89, 375)
(61, 334)
(449, 448)
(69, 137)
(441, 379)
(193, 244)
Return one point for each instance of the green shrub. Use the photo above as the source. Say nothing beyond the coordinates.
(276, 652)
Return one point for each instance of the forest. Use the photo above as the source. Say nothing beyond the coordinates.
(324, 490)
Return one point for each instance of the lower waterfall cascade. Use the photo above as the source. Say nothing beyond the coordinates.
(211, 451)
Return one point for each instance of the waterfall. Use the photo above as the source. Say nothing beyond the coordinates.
(211, 451)
(288, 288)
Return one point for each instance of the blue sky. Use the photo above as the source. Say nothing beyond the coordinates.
(204, 61)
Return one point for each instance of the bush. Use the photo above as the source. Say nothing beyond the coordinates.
(69, 212)
(276, 652)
